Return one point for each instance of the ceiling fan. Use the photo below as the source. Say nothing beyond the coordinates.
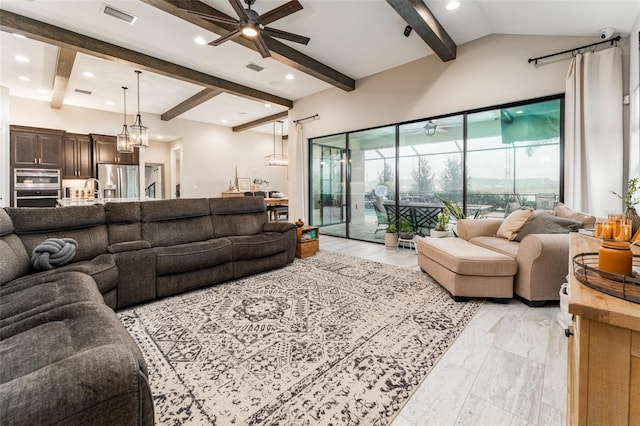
(253, 26)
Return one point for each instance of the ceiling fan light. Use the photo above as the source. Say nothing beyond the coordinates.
(430, 128)
(250, 30)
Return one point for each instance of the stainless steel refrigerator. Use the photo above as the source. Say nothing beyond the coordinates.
(118, 181)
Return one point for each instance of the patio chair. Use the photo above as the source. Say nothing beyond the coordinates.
(381, 215)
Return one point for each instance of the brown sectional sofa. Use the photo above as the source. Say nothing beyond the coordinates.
(65, 356)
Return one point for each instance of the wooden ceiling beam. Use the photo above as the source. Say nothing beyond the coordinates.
(195, 100)
(279, 51)
(261, 121)
(64, 65)
(46, 33)
(425, 24)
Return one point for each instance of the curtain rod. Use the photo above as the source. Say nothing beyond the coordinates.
(613, 40)
(307, 118)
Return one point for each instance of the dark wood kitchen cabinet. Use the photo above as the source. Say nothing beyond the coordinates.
(104, 151)
(34, 147)
(77, 158)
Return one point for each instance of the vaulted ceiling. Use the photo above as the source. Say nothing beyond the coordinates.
(78, 55)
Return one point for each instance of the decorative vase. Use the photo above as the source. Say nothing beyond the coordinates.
(299, 223)
(439, 234)
(631, 213)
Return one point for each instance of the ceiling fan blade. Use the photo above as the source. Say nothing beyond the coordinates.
(213, 18)
(279, 12)
(228, 36)
(262, 47)
(273, 32)
(237, 6)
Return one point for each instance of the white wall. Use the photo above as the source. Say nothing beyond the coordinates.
(5, 196)
(634, 95)
(489, 71)
(210, 153)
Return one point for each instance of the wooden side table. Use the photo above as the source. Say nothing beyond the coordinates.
(308, 241)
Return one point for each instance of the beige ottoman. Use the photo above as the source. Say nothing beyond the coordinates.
(467, 270)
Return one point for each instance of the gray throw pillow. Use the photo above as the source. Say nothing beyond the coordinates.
(53, 252)
(545, 223)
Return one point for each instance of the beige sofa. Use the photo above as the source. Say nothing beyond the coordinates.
(542, 259)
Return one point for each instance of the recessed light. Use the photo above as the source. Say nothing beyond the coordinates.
(160, 137)
(21, 58)
(110, 103)
(43, 91)
(200, 40)
(23, 78)
(267, 105)
(19, 35)
(88, 74)
(453, 5)
(223, 121)
(289, 77)
(519, 111)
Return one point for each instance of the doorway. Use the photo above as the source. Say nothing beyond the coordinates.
(154, 181)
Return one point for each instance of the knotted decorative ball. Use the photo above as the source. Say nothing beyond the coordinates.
(53, 252)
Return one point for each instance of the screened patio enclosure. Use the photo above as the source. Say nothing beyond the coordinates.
(493, 160)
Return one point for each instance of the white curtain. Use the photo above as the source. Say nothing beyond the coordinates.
(593, 132)
(300, 182)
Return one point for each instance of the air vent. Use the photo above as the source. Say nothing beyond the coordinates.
(254, 67)
(117, 13)
(83, 92)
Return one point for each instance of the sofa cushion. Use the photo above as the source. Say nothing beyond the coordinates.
(545, 223)
(172, 222)
(238, 216)
(102, 269)
(123, 221)
(193, 256)
(588, 221)
(500, 245)
(256, 246)
(85, 224)
(42, 292)
(14, 260)
(513, 223)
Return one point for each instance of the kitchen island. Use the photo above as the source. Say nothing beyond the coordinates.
(65, 202)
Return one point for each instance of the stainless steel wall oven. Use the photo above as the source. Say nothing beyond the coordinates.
(36, 187)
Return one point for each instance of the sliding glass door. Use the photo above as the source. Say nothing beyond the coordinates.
(328, 184)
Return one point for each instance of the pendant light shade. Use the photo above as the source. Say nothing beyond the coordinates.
(139, 133)
(277, 159)
(123, 143)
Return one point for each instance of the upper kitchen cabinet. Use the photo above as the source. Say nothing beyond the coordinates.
(104, 151)
(35, 147)
(77, 157)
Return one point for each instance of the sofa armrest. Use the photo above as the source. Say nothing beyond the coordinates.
(128, 246)
(543, 264)
(470, 228)
(278, 226)
(137, 277)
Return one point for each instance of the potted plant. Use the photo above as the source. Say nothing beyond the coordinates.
(630, 201)
(258, 182)
(391, 236)
(405, 229)
(441, 229)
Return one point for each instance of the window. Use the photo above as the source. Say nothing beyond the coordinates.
(493, 160)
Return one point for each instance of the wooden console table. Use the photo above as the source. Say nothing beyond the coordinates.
(603, 354)
(308, 241)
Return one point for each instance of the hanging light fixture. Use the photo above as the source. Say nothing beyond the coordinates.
(139, 133)
(123, 143)
(430, 128)
(277, 159)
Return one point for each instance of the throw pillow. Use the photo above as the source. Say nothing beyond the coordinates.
(545, 223)
(588, 221)
(511, 225)
(53, 252)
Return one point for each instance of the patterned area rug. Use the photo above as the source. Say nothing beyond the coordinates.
(328, 340)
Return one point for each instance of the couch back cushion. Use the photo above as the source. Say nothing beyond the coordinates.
(14, 261)
(85, 224)
(238, 215)
(170, 222)
(123, 222)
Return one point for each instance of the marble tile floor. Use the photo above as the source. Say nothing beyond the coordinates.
(508, 366)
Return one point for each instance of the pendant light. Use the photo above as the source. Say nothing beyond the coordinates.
(139, 133)
(430, 128)
(277, 159)
(123, 143)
